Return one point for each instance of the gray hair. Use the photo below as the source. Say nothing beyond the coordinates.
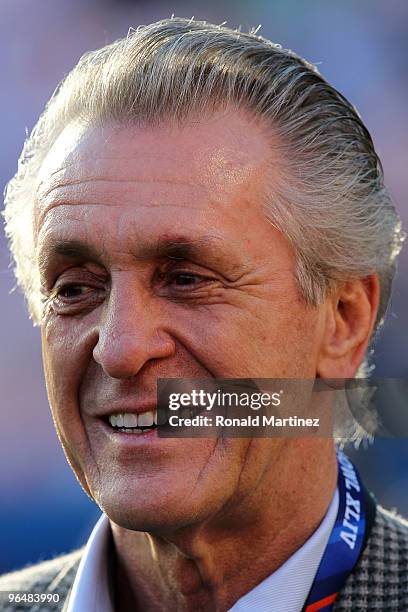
(333, 208)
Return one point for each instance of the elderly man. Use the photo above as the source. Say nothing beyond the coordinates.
(199, 203)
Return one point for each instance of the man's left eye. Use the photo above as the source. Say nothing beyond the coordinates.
(185, 279)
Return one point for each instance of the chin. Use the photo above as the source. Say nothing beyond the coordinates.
(153, 511)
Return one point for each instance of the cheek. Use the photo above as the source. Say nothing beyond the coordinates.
(67, 348)
(270, 339)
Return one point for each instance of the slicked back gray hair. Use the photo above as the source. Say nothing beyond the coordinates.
(334, 208)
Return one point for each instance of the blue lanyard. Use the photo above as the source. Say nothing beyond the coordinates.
(345, 542)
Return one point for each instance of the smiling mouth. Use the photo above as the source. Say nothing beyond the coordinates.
(132, 422)
(144, 422)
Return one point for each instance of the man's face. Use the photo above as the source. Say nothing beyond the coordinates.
(158, 262)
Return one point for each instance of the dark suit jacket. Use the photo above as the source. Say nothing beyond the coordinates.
(379, 580)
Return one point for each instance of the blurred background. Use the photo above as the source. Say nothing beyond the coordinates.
(361, 47)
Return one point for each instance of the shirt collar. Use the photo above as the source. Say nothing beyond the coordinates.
(90, 590)
(286, 589)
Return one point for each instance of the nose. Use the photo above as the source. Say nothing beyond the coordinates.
(131, 333)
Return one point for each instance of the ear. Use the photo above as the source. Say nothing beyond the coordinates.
(350, 317)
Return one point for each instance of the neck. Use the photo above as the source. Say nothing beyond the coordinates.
(212, 565)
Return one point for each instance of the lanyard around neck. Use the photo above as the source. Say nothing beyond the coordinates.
(346, 539)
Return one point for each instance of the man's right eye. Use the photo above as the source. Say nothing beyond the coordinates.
(76, 298)
(72, 291)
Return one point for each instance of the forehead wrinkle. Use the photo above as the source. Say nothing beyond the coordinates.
(44, 194)
(44, 212)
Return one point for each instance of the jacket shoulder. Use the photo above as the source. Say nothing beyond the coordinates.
(54, 576)
(380, 578)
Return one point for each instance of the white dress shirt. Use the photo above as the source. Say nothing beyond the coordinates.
(285, 589)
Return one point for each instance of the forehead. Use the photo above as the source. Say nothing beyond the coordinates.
(206, 173)
(221, 153)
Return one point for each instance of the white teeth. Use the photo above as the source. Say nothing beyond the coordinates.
(134, 430)
(125, 420)
(145, 419)
(129, 420)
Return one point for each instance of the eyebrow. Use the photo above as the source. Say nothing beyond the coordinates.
(180, 247)
(168, 247)
(75, 249)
